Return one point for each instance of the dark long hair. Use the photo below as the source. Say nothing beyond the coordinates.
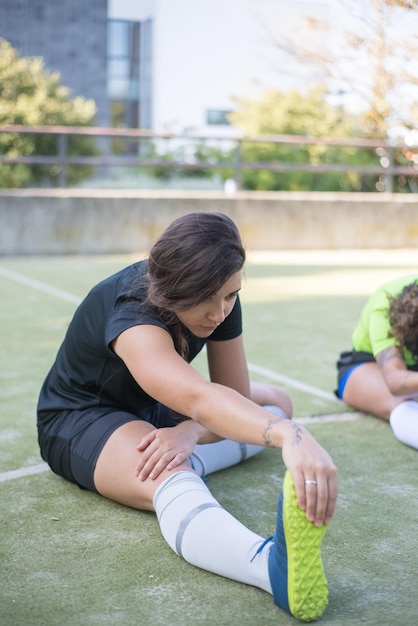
(190, 262)
(403, 318)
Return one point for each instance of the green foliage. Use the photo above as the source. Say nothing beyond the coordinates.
(31, 96)
(310, 115)
(363, 50)
(203, 160)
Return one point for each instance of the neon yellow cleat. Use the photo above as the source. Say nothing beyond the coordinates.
(295, 565)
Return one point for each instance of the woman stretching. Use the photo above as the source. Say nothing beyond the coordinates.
(379, 376)
(123, 413)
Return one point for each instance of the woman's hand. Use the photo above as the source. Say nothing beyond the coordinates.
(314, 474)
(167, 448)
(164, 448)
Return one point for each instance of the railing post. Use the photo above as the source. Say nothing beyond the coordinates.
(62, 152)
(389, 175)
(238, 165)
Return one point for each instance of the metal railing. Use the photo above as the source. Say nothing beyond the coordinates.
(386, 167)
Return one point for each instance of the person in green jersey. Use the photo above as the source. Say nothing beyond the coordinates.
(379, 375)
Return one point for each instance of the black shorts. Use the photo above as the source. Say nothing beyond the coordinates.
(346, 364)
(72, 441)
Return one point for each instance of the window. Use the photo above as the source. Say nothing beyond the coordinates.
(217, 117)
(129, 73)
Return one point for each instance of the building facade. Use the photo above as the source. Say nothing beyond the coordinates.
(107, 60)
(165, 65)
(70, 36)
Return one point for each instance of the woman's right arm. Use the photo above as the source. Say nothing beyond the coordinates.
(149, 354)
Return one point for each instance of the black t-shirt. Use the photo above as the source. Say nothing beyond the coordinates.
(87, 372)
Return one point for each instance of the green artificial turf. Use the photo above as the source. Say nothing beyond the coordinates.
(72, 558)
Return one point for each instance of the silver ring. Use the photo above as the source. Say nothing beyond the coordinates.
(310, 482)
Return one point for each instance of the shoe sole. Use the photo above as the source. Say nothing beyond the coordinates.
(306, 582)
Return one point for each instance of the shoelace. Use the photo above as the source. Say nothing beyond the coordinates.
(265, 542)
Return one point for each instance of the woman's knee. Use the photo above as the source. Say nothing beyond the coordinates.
(268, 394)
(366, 391)
(283, 401)
(115, 473)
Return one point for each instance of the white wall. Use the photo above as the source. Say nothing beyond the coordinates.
(205, 53)
(134, 10)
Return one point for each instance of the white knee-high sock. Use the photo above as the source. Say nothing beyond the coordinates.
(197, 528)
(208, 458)
(404, 423)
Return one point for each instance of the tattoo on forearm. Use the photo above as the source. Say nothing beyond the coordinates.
(297, 432)
(388, 355)
(266, 433)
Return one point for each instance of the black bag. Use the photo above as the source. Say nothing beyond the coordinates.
(354, 357)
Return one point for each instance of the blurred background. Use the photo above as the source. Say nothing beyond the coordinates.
(268, 95)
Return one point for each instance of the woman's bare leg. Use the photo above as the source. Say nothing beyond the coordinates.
(367, 391)
(200, 530)
(266, 394)
(114, 476)
(192, 522)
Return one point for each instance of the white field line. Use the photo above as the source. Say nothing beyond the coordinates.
(69, 297)
(37, 284)
(291, 382)
(23, 471)
(318, 419)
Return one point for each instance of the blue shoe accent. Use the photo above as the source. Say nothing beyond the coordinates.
(295, 566)
(278, 562)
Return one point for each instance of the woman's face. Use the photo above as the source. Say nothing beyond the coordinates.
(203, 318)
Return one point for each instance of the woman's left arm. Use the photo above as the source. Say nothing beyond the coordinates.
(228, 365)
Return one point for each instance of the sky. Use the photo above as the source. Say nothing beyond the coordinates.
(210, 51)
(213, 51)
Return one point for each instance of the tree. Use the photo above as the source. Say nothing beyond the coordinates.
(31, 96)
(363, 51)
(293, 113)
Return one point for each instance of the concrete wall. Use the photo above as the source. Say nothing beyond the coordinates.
(52, 222)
